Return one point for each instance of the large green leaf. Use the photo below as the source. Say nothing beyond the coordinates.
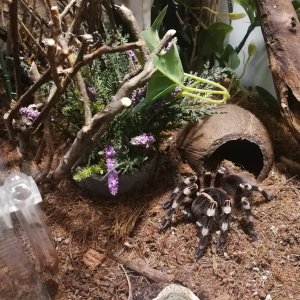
(151, 36)
(158, 86)
(211, 40)
(169, 64)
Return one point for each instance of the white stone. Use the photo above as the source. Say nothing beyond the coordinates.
(176, 292)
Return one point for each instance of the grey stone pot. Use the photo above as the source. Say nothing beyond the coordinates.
(97, 184)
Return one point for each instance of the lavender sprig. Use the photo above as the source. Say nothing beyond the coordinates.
(29, 113)
(144, 140)
(112, 177)
(138, 94)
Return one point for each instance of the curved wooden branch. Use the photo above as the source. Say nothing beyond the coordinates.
(281, 30)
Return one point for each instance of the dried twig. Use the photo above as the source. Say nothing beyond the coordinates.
(67, 8)
(51, 58)
(14, 40)
(84, 98)
(50, 150)
(143, 269)
(57, 30)
(128, 282)
(31, 37)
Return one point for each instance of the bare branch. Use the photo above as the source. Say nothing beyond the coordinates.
(51, 58)
(31, 37)
(72, 73)
(128, 17)
(50, 150)
(67, 8)
(57, 30)
(84, 98)
(14, 40)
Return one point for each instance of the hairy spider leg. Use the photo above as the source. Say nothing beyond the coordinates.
(179, 189)
(262, 192)
(249, 218)
(204, 209)
(224, 223)
(183, 197)
(241, 198)
(220, 175)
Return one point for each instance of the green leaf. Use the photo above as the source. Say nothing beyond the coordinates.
(250, 9)
(211, 40)
(170, 65)
(158, 86)
(230, 57)
(151, 36)
(251, 49)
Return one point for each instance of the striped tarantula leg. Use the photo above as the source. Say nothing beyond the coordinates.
(262, 192)
(205, 227)
(206, 179)
(224, 224)
(221, 171)
(249, 218)
(205, 218)
(179, 189)
(185, 195)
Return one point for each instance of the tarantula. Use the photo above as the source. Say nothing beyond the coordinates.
(208, 201)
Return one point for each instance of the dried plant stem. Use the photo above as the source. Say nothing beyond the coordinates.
(128, 282)
(84, 98)
(53, 66)
(67, 8)
(41, 50)
(14, 40)
(143, 269)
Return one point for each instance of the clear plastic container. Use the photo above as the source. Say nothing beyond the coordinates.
(18, 278)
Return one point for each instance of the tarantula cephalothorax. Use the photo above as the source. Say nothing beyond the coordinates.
(208, 201)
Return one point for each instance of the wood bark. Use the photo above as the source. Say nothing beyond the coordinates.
(281, 30)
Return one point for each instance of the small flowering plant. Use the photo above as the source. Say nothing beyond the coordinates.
(169, 100)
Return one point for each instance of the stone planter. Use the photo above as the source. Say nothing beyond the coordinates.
(97, 184)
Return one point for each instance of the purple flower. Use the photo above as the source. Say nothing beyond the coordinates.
(138, 94)
(133, 57)
(109, 151)
(29, 113)
(143, 140)
(113, 182)
(112, 177)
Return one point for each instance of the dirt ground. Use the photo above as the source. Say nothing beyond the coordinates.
(88, 231)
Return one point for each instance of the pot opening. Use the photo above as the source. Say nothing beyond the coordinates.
(241, 152)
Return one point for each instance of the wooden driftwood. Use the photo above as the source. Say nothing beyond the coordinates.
(281, 30)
